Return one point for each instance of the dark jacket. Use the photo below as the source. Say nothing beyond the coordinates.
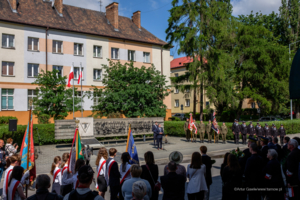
(152, 180)
(271, 145)
(244, 158)
(231, 180)
(154, 127)
(281, 132)
(44, 194)
(293, 160)
(253, 171)
(259, 132)
(174, 186)
(206, 160)
(263, 153)
(114, 175)
(236, 128)
(244, 129)
(251, 130)
(158, 130)
(273, 169)
(267, 132)
(274, 132)
(279, 151)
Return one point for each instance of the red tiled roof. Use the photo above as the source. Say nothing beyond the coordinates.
(180, 62)
(75, 19)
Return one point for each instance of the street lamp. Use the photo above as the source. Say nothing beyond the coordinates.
(290, 60)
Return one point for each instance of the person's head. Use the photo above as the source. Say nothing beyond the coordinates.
(223, 123)
(43, 182)
(85, 175)
(233, 162)
(56, 161)
(139, 190)
(125, 159)
(226, 158)
(293, 144)
(1, 143)
(79, 163)
(156, 123)
(187, 119)
(269, 139)
(135, 171)
(13, 160)
(281, 125)
(253, 148)
(272, 154)
(65, 158)
(9, 141)
(275, 140)
(297, 139)
(286, 139)
(209, 121)
(16, 173)
(263, 142)
(172, 166)
(244, 122)
(203, 149)
(159, 125)
(149, 158)
(101, 153)
(112, 152)
(196, 161)
(201, 121)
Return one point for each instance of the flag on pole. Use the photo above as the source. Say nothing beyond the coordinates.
(71, 76)
(214, 124)
(131, 148)
(77, 145)
(80, 76)
(192, 124)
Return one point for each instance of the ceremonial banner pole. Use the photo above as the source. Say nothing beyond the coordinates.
(81, 88)
(30, 105)
(128, 136)
(73, 93)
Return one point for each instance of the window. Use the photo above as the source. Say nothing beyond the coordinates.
(176, 91)
(98, 74)
(176, 103)
(78, 93)
(187, 102)
(78, 49)
(253, 105)
(31, 94)
(77, 71)
(96, 100)
(146, 57)
(57, 46)
(8, 41)
(97, 52)
(8, 68)
(59, 69)
(176, 75)
(114, 53)
(33, 44)
(7, 99)
(33, 70)
(187, 90)
(207, 104)
(131, 55)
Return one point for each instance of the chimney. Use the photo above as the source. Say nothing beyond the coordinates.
(58, 5)
(13, 5)
(136, 18)
(112, 15)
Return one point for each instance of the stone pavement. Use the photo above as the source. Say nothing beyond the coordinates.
(216, 151)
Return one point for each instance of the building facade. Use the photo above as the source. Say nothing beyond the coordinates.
(44, 35)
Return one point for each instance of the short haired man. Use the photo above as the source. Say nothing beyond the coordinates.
(264, 149)
(42, 185)
(135, 172)
(209, 131)
(83, 191)
(279, 149)
(281, 133)
(201, 129)
(206, 160)
(139, 190)
(246, 153)
(154, 127)
(224, 132)
(112, 176)
(186, 129)
(159, 136)
(173, 184)
(236, 130)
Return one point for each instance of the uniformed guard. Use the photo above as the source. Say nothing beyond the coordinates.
(257, 125)
(187, 131)
(244, 132)
(194, 133)
(208, 131)
(224, 131)
(267, 131)
(236, 129)
(251, 130)
(274, 131)
(281, 132)
(201, 129)
(264, 149)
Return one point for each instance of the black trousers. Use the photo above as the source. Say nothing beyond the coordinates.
(281, 140)
(159, 142)
(114, 190)
(154, 138)
(237, 137)
(188, 135)
(196, 196)
(244, 137)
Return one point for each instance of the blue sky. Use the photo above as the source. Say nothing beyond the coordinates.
(155, 15)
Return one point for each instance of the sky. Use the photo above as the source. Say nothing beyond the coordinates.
(155, 13)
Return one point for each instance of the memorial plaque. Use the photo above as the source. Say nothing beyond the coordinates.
(86, 127)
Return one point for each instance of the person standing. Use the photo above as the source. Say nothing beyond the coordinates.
(159, 136)
(101, 171)
(124, 170)
(154, 127)
(246, 153)
(10, 147)
(251, 130)
(282, 133)
(186, 129)
(173, 184)
(201, 129)
(236, 130)
(176, 157)
(279, 149)
(206, 160)
(274, 131)
(259, 132)
(216, 135)
(3, 155)
(113, 175)
(224, 132)
(264, 150)
(244, 132)
(208, 131)
(15, 188)
(55, 172)
(66, 182)
(194, 133)
(267, 131)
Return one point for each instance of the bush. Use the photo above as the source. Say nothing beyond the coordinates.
(174, 119)
(114, 115)
(5, 120)
(43, 119)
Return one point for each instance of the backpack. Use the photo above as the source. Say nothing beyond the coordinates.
(74, 195)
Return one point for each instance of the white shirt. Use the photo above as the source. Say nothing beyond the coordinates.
(58, 176)
(10, 190)
(197, 182)
(103, 169)
(123, 173)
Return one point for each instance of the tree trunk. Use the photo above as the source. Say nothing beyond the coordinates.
(239, 111)
(201, 100)
(195, 101)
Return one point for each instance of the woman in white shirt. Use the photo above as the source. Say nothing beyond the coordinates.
(101, 184)
(124, 170)
(55, 171)
(66, 182)
(15, 188)
(196, 174)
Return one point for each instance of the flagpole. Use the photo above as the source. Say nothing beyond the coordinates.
(128, 136)
(30, 105)
(73, 91)
(81, 88)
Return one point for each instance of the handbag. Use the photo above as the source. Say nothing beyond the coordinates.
(157, 185)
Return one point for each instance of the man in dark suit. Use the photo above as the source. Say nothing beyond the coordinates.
(259, 132)
(274, 131)
(285, 149)
(236, 129)
(206, 160)
(244, 130)
(267, 131)
(279, 149)
(159, 136)
(154, 127)
(251, 130)
(271, 145)
(246, 153)
(173, 184)
(113, 174)
(281, 133)
(253, 172)
(264, 150)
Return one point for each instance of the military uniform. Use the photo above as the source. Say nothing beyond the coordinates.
(236, 129)
(264, 152)
(274, 131)
(224, 132)
(187, 131)
(216, 134)
(244, 132)
(201, 130)
(267, 131)
(193, 135)
(251, 130)
(208, 131)
(281, 133)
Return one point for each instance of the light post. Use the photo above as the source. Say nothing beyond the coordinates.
(290, 60)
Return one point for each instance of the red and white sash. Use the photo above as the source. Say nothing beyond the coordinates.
(110, 164)
(55, 173)
(101, 166)
(7, 180)
(12, 189)
(127, 173)
(288, 173)
(77, 183)
(268, 176)
(65, 167)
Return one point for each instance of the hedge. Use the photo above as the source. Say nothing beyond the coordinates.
(5, 120)
(174, 128)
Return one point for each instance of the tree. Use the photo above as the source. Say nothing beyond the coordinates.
(131, 91)
(53, 98)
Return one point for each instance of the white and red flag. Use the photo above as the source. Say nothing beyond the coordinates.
(80, 76)
(192, 124)
(71, 76)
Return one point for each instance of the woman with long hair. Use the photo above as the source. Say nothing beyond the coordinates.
(66, 182)
(196, 173)
(150, 173)
(232, 178)
(15, 188)
(55, 172)
(124, 170)
(224, 164)
(79, 163)
(101, 184)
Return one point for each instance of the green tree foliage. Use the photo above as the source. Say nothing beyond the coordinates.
(131, 91)
(53, 98)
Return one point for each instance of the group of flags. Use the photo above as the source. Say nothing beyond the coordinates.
(71, 76)
(192, 125)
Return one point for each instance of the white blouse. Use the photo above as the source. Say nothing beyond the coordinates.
(10, 190)
(58, 176)
(196, 183)
(103, 169)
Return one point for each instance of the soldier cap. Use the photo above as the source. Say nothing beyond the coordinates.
(266, 124)
(250, 122)
(252, 139)
(235, 120)
(257, 123)
(244, 122)
(263, 138)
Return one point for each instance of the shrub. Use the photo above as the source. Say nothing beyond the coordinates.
(5, 120)
(43, 119)
(174, 119)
